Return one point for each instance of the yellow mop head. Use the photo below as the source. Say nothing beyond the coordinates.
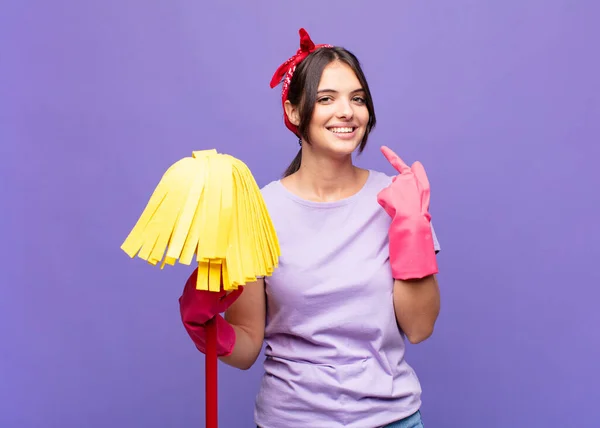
(208, 205)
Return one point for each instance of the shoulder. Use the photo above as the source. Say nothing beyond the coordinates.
(381, 177)
(379, 180)
(274, 196)
(270, 190)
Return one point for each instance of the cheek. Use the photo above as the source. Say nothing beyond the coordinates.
(364, 115)
(320, 116)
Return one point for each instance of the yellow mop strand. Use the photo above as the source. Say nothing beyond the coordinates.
(208, 205)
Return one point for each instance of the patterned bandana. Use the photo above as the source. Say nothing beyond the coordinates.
(287, 69)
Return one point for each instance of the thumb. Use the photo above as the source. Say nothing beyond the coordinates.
(228, 300)
(383, 200)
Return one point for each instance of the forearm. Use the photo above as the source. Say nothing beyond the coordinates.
(245, 351)
(417, 306)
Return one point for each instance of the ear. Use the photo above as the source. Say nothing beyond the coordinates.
(292, 113)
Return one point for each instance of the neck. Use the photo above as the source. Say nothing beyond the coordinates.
(326, 179)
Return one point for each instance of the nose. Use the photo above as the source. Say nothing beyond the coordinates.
(345, 110)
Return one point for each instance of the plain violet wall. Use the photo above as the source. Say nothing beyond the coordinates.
(499, 100)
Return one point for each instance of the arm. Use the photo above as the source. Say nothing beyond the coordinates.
(247, 316)
(417, 306)
(417, 303)
(413, 249)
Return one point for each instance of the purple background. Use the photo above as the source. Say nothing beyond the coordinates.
(499, 100)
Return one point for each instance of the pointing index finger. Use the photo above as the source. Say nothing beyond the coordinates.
(395, 160)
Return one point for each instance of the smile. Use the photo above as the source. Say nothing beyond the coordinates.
(342, 130)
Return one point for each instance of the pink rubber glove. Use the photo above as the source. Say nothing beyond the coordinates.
(406, 200)
(199, 306)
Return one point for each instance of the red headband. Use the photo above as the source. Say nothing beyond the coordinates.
(287, 69)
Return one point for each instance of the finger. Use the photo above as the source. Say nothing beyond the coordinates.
(382, 199)
(190, 286)
(423, 183)
(395, 160)
(231, 297)
(419, 170)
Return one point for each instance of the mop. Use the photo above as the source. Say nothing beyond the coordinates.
(210, 206)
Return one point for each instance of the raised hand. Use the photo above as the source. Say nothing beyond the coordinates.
(406, 200)
(409, 192)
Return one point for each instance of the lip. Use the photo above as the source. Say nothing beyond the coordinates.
(342, 125)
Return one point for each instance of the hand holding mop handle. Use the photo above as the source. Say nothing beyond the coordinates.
(208, 206)
(200, 310)
(213, 336)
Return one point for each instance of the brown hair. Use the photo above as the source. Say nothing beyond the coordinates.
(303, 92)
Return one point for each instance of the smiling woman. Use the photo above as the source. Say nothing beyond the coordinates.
(328, 90)
(357, 265)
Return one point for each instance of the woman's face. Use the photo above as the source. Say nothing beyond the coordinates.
(340, 116)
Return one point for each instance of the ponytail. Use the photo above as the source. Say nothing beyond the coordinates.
(295, 165)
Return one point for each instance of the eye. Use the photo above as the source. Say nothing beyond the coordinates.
(359, 100)
(324, 99)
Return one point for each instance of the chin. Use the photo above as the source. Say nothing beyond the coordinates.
(345, 149)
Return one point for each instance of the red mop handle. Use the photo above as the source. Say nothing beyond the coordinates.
(211, 374)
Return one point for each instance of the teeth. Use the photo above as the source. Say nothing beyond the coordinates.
(341, 130)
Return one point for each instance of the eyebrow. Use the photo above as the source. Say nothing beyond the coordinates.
(335, 92)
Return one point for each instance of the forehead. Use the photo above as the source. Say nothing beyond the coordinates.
(339, 76)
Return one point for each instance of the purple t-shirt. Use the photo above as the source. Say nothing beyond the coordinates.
(334, 353)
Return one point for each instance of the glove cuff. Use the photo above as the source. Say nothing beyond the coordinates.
(412, 251)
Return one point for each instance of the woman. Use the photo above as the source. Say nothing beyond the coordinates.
(356, 273)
